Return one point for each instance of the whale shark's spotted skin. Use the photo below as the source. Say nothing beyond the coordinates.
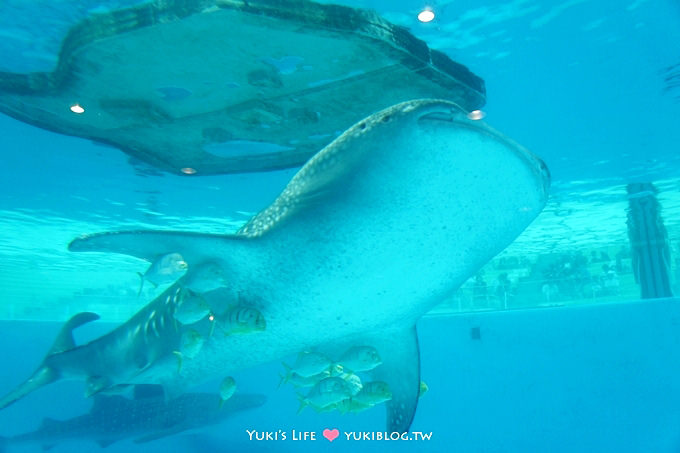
(374, 231)
(307, 180)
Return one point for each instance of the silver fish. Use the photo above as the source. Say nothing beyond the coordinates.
(360, 358)
(190, 307)
(325, 393)
(309, 363)
(164, 269)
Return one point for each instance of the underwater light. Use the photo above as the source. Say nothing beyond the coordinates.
(188, 171)
(426, 15)
(77, 108)
(476, 115)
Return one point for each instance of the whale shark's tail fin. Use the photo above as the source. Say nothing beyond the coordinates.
(46, 374)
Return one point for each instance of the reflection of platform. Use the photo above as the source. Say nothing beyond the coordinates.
(225, 86)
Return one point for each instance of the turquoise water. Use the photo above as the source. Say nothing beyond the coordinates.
(595, 378)
(582, 84)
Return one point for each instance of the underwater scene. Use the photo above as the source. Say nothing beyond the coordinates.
(347, 225)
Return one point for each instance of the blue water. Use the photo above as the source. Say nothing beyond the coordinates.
(580, 84)
(600, 378)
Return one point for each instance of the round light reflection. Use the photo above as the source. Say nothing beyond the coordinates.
(426, 15)
(188, 171)
(77, 108)
(476, 115)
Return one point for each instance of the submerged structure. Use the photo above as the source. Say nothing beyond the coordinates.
(223, 86)
(649, 242)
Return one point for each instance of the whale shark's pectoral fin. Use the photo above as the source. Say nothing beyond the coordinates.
(149, 245)
(400, 369)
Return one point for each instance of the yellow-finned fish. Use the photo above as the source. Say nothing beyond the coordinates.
(190, 307)
(325, 393)
(192, 342)
(352, 406)
(243, 320)
(353, 382)
(301, 381)
(374, 392)
(227, 388)
(423, 389)
(308, 363)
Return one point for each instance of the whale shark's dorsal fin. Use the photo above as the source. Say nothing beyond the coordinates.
(330, 166)
(64, 340)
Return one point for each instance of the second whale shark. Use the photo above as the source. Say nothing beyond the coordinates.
(372, 232)
(146, 417)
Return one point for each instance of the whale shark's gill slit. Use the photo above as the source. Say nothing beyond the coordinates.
(437, 116)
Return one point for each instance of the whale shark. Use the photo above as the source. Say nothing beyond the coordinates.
(372, 232)
(144, 418)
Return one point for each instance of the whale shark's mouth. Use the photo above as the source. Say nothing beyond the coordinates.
(459, 117)
(448, 116)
